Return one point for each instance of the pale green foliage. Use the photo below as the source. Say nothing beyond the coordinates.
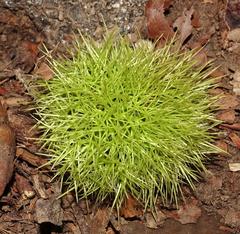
(120, 120)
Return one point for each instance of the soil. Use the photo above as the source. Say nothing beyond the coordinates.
(29, 203)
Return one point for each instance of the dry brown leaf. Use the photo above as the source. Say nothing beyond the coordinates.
(227, 116)
(150, 221)
(157, 24)
(187, 213)
(201, 58)
(228, 101)
(154, 222)
(130, 208)
(7, 149)
(235, 139)
(25, 56)
(184, 24)
(235, 126)
(203, 40)
(44, 71)
(186, 28)
(3, 91)
(196, 20)
(217, 73)
(216, 91)
(222, 145)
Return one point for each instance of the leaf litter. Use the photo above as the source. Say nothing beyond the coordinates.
(158, 25)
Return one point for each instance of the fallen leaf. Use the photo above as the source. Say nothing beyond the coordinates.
(184, 24)
(235, 126)
(216, 91)
(235, 139)
(25, 56)
(227, 116)
(150, 221)
(200, 58)
(44, 71)
(154, 222)
(222, 145)
(228, 101)
(234, 167)
(196, 19)
(7, 149)
(217, 73)
(187, 213)
(3, 91)
(130, 208)
(157, 24)
(203, 40)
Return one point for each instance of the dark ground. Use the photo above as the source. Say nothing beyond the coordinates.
(28, 204)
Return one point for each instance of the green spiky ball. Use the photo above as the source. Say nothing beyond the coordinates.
(119, 119)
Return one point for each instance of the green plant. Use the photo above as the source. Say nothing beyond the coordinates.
(119, 119)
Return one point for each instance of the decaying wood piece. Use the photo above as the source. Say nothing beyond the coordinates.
(30, 157)
(7, 149)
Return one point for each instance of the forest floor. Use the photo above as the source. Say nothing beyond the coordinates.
(29, 204)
